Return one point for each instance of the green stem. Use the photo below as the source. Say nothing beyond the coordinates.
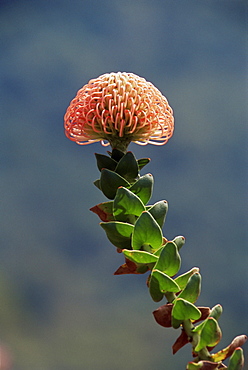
(203, 354)
(119, 143)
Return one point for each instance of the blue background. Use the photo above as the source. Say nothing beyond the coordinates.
(61, 307)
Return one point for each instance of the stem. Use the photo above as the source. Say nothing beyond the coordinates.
(119, 143)
(194, 338)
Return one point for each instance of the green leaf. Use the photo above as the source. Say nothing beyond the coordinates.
(179, 241)
(210, 334)
(175, 323)
(169, 260)
(182, 280)
(128, 167)
(103, 161)
(126, 203)
(198, 328)
(236, 361)
(216, 311)
(116, 154)
(146, 232)
(154, 289)
(184, 310)
(158, 251)
(119, 233)
(158, 211)
(143, 187)
(166, 283)
(140, 256)
(193, 288)
(142, 162)
(110, 182)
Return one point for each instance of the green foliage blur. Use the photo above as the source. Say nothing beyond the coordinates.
(61, 306)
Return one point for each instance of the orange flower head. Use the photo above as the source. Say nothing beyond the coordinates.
(117, 108)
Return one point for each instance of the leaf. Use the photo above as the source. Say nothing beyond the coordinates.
(158, 251)
(158, 211)
(104, 211)
(128, 167)
(193, 288)
(236, 361)
(179, 241)
(183, 279)
(116, 154)
(140, 256)
(146, 232)
(184, 310)
(204, 313)
(119, 233)
(97, 183)
(193, 366)
(143, 187)
(228, 351)
(103, 161)
(154, 289)
(198, 328)
(125, 269)
(202, 365)
(126, 203)
(110, 182)
(169, 260)
(180, 342)
(130, 268)
(142, 162)
(162, 315)
(210, 334)
(176, 323)
(216, 311)
(166, 284)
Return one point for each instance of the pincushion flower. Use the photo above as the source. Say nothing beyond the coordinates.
(117, 108)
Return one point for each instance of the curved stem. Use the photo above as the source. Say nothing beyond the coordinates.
(194, 337)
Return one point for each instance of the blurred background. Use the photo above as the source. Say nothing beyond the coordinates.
(61, 307)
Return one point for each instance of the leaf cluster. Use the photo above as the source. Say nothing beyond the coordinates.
(134, 227)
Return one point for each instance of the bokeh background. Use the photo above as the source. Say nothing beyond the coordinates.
(61, 307)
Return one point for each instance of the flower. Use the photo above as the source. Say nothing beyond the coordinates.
(119, 108)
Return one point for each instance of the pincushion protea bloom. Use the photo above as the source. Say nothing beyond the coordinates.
(119, 108)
